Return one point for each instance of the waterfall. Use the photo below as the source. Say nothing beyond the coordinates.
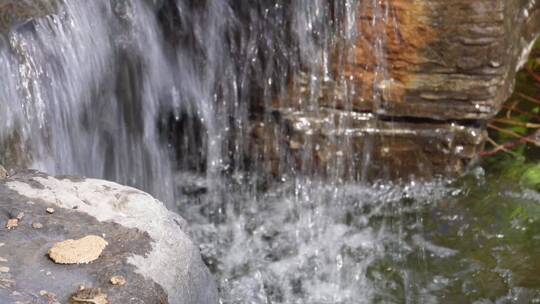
(85, 87)
(131, 91)
(144, 92)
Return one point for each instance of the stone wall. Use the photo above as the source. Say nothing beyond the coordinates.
(428, 72)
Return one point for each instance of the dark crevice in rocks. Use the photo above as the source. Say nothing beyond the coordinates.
(423, 120)
(187, 138)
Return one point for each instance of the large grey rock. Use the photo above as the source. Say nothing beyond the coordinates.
(148, 244)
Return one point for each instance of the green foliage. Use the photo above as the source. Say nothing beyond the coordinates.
(531, 177)
(516, 173)
(517, 120)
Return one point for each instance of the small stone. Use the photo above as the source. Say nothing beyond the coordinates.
(20, 216)
(90, 295)
(48, 273)
(37, 225)
(51, 297)
(295, 145)
(81, 251)
(118, 280)
(12, 223)
(3, 260)
(4, 269)
(50, 210)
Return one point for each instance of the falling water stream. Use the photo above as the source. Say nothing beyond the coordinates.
(160, 95)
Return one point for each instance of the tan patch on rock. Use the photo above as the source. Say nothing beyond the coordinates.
(12, 223)
(81, 251)
(118, 280)
(90, 295)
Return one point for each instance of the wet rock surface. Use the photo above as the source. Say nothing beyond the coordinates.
(16, 12)
(147, 246)
(365, 148)
(442, 59)
(423, 76)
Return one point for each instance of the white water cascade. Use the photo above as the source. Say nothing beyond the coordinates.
(160, 95)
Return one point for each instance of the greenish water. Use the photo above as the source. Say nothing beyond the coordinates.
(479, 245)
(481, 242)
(474, 240)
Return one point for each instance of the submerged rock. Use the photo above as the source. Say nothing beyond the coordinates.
(147, 244)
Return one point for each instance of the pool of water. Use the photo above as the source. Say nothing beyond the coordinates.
(475, 240)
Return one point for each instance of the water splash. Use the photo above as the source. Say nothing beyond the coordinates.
(308, 243)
